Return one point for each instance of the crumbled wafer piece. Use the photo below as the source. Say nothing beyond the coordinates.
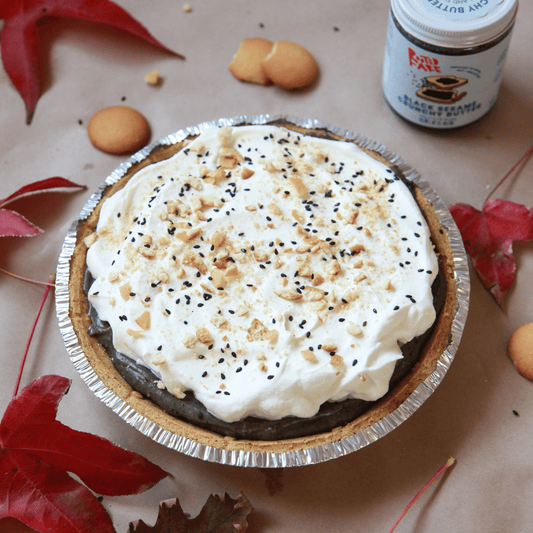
(203, 335)
(215, 176)
(336, 361)
(354, 329)
(317, 280)
(219, 321)
(299, 186)
(288, 294)
(245, 173)
(308, 355)
(329, 346)
(313, 294)
(152, 78)
(357, 248)
(229, 158)
(158, 359)
(136, 334)
(125, 291)
(143, 321)
(178, 392)
(189, 340)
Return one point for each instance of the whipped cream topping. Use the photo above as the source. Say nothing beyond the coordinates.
(265, 270)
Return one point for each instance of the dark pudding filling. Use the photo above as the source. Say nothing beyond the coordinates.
(189, 409)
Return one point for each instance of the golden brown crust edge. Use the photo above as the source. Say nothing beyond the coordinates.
(104, 369)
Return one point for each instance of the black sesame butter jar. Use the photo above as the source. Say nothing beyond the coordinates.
(444, 59)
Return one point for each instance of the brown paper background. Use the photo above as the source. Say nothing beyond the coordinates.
(470, 416)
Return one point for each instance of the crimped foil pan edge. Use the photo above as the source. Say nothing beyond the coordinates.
(313, 455)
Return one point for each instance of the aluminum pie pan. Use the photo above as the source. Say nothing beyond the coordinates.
(262, 459)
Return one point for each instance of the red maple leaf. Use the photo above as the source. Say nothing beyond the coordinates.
(489, 235)
(36, 454)
(12, 224)
(20, 41)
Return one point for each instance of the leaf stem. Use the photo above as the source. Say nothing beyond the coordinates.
(48, 288)
(515, 166)
(27, 279)
(443, 468)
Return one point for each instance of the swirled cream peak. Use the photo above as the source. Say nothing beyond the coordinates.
(265, 270)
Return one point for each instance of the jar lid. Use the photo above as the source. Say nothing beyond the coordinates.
(455, 23)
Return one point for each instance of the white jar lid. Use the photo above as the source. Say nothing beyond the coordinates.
(455, 23)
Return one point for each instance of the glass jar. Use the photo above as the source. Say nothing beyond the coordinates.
(444, 58)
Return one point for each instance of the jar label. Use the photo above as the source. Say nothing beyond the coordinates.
(437, 90)
(461, 9)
